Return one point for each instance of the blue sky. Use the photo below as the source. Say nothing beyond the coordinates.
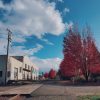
(38, 27)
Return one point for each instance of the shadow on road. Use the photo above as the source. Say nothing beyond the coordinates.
(69, 83)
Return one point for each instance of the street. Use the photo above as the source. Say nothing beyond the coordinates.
(48, 91)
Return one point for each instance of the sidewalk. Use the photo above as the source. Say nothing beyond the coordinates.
(23, 90)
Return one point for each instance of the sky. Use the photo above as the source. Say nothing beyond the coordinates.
(38, 27)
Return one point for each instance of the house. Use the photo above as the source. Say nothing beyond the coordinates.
(18, 68)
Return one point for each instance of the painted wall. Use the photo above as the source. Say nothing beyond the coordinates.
(29, 63)
(15, 64)
(2, 68)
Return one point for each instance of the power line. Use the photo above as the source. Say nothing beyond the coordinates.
(7, 57)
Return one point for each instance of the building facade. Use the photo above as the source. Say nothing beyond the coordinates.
(18, 68)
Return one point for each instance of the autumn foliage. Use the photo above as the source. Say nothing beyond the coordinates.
(81, 56)
(46, 75)
(52, 74)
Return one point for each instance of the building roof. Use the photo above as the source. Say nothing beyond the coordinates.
(23, 59)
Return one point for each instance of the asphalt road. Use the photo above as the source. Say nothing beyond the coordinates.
(52, 91)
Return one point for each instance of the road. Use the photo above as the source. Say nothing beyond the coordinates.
(51, 91)
(36, 92)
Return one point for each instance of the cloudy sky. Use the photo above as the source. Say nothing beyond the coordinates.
(38, 27)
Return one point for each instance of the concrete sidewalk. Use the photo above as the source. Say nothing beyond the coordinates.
(52, 92)
(23, 90)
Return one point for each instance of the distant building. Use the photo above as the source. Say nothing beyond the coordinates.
(19, 68)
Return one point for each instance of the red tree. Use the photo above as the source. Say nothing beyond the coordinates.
(46, 75)
(52, 74)
(90, 54)
(80, 54)
(72, 52)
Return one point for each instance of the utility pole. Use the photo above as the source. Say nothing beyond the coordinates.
(8, 42)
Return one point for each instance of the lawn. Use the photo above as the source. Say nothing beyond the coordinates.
(89, 98)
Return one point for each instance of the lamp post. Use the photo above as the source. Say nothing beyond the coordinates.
(8, 42)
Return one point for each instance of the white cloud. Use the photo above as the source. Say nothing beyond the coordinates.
(3, 46)
(47, 41)
(33, 17)
(62, 1)
(1, 4)
(18, 50)
(46, 64)
(69, 25)
(19, 38)
(66, 10)
(21, 50)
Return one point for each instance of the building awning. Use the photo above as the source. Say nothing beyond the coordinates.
(26, 70)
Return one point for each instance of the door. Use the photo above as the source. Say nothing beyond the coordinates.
(15, 73)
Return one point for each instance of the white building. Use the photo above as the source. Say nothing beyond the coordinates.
(19, 68)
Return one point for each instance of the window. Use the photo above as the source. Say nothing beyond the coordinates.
(34, 70)
(28, 67)
(20, 69)
(25, 66)
(0, 73)
(15, 73)
(31, 68)
(8, 73)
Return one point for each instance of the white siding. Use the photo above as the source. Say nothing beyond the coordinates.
(27, 61)
(2, 68)
(15, 64)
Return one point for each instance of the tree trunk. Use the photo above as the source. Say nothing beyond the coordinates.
(86, 78)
